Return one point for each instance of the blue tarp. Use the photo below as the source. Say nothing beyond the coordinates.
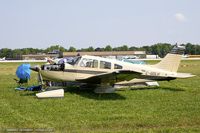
(35, 88)
(32, 88)
(20, 88)
(23, 71)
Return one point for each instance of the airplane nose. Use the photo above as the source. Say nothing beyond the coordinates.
(35, 68)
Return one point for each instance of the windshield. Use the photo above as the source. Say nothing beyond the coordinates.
(75, 60)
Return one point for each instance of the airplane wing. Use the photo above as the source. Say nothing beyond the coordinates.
(112, 77)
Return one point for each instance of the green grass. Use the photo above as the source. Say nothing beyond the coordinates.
(172, 107)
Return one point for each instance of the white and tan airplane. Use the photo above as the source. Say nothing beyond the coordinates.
(105, 72)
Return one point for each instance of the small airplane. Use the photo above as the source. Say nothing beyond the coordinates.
(103, 73)
(3, 59)
(131, 57)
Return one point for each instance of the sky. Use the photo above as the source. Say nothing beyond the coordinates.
(97, 23)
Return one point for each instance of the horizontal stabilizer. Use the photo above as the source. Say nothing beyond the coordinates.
(183, 75)
(133, 81)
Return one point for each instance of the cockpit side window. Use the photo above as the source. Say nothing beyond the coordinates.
(105, 65)
(116, 66)
(89, 63)
(95, 63)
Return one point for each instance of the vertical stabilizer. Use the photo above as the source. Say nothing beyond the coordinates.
(172, 60)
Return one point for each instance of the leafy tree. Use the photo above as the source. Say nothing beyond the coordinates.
(55, 47)
(16, 53)
(133, 48)
(122, 48)
(190, 49)
(5, 52)
(160, 49)
(72, 49)
(108, 48)
(148, 49)
(90, 49)
(99, 49)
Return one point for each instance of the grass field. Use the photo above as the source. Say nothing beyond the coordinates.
(172, 107)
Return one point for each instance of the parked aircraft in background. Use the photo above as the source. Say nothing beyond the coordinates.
(3, 59)
(131, 57)
(104, 73)
(185, 56)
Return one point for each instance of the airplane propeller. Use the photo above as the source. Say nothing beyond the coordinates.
(37, 69)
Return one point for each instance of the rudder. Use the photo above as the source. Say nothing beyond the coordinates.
(172, 60)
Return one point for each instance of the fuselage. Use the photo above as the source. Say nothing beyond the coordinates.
(88, 66)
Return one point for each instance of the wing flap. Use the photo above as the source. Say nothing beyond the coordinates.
(111, 78)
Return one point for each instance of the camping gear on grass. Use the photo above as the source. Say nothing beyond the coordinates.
(35, 88)
(32, 88)
(20, 89)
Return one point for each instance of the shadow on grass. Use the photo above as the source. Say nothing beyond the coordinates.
(159, 88)
(171, 89)
(89, 93)
(28, 93)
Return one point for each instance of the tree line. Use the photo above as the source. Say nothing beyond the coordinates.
(160, 49)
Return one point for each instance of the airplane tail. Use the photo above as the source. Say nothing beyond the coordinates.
(172, 60)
